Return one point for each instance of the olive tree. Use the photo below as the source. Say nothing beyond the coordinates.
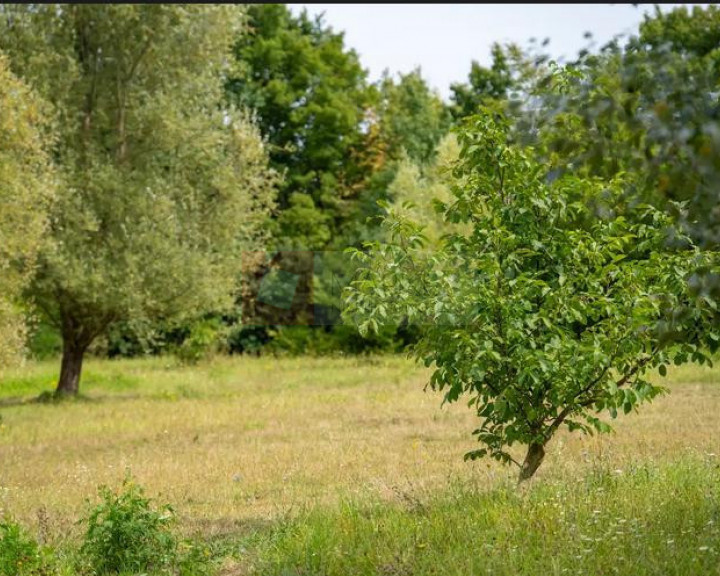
(26, 186)
(160, 187)
(545, 308)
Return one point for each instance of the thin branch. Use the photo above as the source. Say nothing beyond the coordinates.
(518, 464)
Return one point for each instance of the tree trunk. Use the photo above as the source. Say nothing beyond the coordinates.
(533, 459)
(71, 367)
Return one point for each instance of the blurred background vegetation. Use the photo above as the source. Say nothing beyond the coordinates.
(336, 144)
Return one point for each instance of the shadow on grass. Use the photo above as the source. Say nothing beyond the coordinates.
(52, 398)
(227, 531)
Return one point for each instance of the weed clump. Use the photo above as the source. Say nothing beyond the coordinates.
(126, 533)
(19, 552)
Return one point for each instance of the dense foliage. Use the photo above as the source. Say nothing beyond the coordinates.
(309, 94)
(338, 139)
(485, 85)
(160, 188)
(546, 307)
(26, 186)
(650, 108)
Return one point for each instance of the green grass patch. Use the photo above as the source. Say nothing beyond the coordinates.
(650, 520)
(41, 378)
(166, 378)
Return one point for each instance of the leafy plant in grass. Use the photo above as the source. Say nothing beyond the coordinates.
(200, 342)
(547, 308)
(127, 534)
(19, 553)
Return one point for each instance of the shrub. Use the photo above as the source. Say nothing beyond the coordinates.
(19, 553)
(126, 533)
(200, 342)
(243, 339)
(340, 339)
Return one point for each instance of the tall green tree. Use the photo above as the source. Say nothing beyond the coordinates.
(485, 84)
(26, 187)
(680, 50)
(411, 118)
(406, 124)
(310, 95)
(541, 314)
(160, 187)
(692, 30)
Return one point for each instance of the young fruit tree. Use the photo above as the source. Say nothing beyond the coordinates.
(160, 186)
(546, 308)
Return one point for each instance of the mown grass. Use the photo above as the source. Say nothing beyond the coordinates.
(345, 466)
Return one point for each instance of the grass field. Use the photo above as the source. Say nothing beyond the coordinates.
(346, 466)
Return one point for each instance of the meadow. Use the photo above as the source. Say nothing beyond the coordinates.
(347, 466)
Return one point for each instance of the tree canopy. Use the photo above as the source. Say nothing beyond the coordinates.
(411, 118)
(26, 187)
(309, 93)
(485, 85)
(159, 186)
(548, 310)
(649, 107)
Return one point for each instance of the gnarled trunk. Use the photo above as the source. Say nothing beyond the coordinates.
(71, 368)
(76, 340)
(533, 459)
(79, 327)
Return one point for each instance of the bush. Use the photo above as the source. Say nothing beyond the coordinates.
(200, 343)
(130, 339)
(340, 339)
(247, 339)
(125, 533)
(19, 553)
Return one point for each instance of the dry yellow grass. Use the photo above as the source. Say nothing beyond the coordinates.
(241, 441)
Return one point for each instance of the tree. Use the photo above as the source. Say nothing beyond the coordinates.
(546, 311)
(416, 189)
(310, 97)
(406, 125)
(693, 30)
(649, 107)
(26, 185)
(485, 85)
(680, 53)
(411, 118)
(160, 187)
